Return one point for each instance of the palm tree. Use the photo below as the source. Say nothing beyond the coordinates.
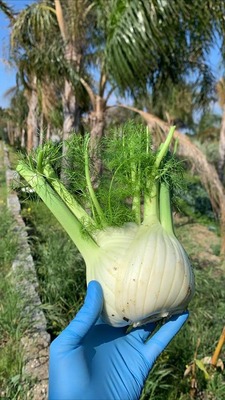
(31, 52)
(159, 39)
(53, 38)
(17, 115)
(143, 47)
(166, 39)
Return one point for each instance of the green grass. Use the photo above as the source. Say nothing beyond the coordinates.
(12, 324)
(3, 188)
(13, 382)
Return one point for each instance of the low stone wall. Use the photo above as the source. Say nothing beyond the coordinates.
(36, 342)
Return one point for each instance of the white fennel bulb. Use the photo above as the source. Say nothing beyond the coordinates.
(143, 269)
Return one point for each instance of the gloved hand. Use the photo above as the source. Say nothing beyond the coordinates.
(92, 360)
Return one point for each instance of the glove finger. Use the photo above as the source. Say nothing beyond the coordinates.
(143, 332)
(85, 318)
(155, 345)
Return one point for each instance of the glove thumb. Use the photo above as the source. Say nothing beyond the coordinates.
(74, 333)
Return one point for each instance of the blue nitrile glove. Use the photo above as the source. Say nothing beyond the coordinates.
(92, 360)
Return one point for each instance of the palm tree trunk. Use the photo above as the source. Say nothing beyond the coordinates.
(22, 138)
(41, 129)
(221, 162)
(97, 124)
(32, 123)
(71, 109)
(48, 132)
(32, 138)
(17, 135)
(71, 114)
(71, 123)
(10, 133)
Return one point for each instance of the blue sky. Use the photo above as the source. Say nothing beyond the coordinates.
(8, 74)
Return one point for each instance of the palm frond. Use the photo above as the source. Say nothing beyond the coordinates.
(144, 37)
(10, 92)
(32, 26)
(7, 10)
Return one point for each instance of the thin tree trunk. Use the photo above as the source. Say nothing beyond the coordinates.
(97, 124)
(10, 133)
(22, 141)
(41, 129)
(71, 115)
(17, 135)
(221, 162)
(32, 124)
(71, 108)
(73, 56)
(48, 132)
(71, 123)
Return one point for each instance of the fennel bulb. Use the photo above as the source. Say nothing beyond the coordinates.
(127, 237)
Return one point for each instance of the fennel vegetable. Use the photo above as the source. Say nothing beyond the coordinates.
(124, 229)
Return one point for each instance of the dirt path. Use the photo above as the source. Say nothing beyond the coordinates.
(201, 242)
